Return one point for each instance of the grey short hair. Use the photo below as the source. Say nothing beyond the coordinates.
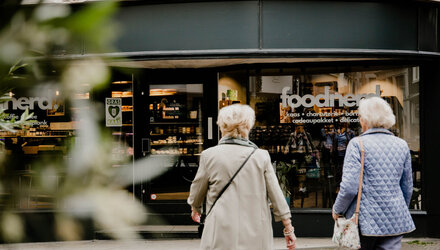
(236, 120)
(376, 113)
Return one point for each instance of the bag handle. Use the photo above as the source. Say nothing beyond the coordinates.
(229, 183)
(360, 182)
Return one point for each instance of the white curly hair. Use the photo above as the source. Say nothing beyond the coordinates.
(236, 120)
(375, 112)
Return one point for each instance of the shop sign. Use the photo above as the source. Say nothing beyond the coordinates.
(113, 112)
(323, 100)
(24, 103)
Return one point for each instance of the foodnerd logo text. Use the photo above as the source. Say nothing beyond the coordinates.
(324, 100)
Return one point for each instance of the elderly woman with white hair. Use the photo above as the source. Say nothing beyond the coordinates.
(384, 216)
(240, 217)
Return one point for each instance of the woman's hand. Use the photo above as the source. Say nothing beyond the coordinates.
(289, 234)
(195, 216)
(335, 215)
(290, 241)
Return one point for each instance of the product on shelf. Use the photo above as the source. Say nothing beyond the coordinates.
(122, 82)
(116, 93)
(184, 140)
(173, 115)
(127, 94)
(126, 108)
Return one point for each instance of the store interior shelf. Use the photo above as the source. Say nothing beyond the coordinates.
(128, 96)
(122, 82)
(175, 123)
(122, 134)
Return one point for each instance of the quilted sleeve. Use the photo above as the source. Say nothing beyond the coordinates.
(406, 182)
(199, 187)
(350, 178)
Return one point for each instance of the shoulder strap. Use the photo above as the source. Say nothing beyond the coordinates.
(230, 181)
(360, 181)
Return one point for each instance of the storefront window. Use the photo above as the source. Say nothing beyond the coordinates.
(305, 121)
(42, 141)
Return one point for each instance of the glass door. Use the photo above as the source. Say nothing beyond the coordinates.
(120, 120)
(175, 129)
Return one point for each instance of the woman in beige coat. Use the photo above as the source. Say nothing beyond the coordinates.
(241, 218)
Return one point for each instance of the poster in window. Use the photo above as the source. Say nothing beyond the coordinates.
(113, 112)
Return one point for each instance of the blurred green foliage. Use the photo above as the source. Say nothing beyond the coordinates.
(34, 42)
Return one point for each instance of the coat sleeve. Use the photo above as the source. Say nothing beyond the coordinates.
(350, 178)
(199, 187)
(281, 210)
(406, 181)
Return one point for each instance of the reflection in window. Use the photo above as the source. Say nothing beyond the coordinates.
(305, 121)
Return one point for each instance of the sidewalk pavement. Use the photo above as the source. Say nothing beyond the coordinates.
(191, 244)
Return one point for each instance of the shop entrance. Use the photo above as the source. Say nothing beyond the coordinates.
(173, 129)
(175, 134)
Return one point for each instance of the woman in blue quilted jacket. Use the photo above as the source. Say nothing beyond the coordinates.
(387, 184)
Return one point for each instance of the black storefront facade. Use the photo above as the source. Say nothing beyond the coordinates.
(252, 42)
(183, 60)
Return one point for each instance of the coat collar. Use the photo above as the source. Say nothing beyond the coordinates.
(376, 131)
(237, 141)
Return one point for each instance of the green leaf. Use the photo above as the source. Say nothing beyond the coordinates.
(24, 115)
(24, 119)
(91, 25)
(4, 98)
(92, 15)
(18, 65)
(7, 127)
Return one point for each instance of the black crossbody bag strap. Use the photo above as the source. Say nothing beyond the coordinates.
(229, 183)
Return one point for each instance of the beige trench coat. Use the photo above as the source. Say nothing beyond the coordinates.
(241, 218)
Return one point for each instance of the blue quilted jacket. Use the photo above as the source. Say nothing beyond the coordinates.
(387, 184)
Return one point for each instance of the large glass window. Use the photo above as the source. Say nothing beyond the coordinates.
(305, 121)
(43, 141)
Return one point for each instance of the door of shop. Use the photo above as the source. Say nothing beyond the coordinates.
(174, 125)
